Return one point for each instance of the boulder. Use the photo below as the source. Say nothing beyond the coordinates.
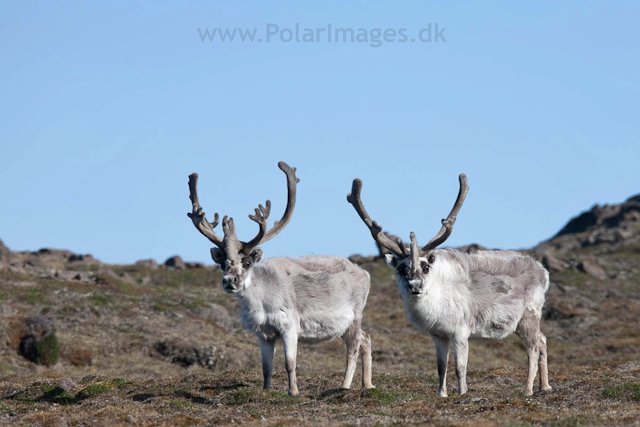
(592, 269)
(472, 248)
(40, 344)
(218, 314)
(175, 262)
(147, 263)
(4, 254)
(187, 355)
(356, 259)
(552, 263)
(82, 259)
(192, 265)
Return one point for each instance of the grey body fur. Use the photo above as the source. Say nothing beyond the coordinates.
(311, 299)
(488, 294)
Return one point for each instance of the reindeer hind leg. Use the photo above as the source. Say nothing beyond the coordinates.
(365, 355)
(542, 363)
(352, 339)
(529, 330)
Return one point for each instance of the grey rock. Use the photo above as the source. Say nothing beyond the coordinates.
(4, 255)
(356, 259)
(147, 263)
(82, 259)
(472, 248)
(69, 385)
(218, 314)
(5, 309)
(192, 265)
(592, 269)
(181, 353)
(175, 262)
(552, 263)
(40, 344)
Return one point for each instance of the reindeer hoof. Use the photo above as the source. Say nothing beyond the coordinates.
(528, 392)
(294, 394)
(547, 388)
(442, 394)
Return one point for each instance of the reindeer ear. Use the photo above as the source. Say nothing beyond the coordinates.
(256, 254)
(391, 259)
(218, 255)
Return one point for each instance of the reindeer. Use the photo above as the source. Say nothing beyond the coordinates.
(311, 299)
(454, 296)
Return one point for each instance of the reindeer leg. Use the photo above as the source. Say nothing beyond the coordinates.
(290, 341)
(461, 352)
(352, 340)
(268, 348)
(442, 352)
(366, 360)
(542, 363)
(529, 330)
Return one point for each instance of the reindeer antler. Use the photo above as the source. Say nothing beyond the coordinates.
(197, 215)
(396, 247)
(292, 182)
(261, 215)
(447, 224)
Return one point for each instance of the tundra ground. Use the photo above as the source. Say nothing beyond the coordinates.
(142, 346)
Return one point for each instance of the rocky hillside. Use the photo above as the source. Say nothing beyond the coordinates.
(602, 229)
(87, 343)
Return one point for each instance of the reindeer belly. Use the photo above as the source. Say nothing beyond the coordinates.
(497, 323)
(322, 326)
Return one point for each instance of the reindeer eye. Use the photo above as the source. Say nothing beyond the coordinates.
(425, 268)
(247, 264)
(402, 270)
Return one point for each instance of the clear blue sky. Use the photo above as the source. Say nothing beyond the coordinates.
(106, 108)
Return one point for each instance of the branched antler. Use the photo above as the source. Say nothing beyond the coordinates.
(396, 247)
(447, 223)
(197, 215)
(292, 182)
(261, 216)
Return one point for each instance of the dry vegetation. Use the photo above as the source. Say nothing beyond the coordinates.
(142, 346)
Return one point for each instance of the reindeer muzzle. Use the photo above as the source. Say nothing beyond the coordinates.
(230, 283)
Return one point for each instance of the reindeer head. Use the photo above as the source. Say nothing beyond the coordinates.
(412, 263)
(234, 256)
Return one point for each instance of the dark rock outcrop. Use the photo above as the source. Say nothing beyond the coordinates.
(175, 262)
(606, 228)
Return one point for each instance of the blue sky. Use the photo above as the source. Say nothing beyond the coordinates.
(107, 107)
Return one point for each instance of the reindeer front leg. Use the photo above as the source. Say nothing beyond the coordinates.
(442, 354)
(461, 351)
(268, 348)
(290, 341)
